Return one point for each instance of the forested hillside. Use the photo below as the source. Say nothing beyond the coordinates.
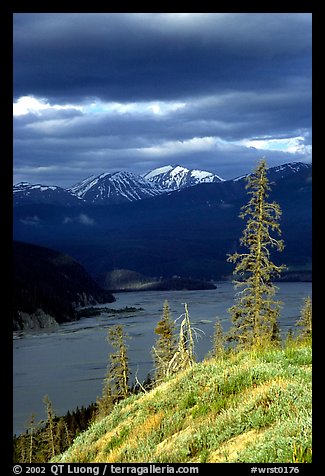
(48, 286)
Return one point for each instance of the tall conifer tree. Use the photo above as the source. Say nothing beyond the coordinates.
(305, 321)
(165, 346)
(118, 372)
(218, 340)
(255, 313)
(50, 431)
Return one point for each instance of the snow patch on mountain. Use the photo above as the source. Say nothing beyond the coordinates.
(292, 167)
(204, 176)
(158, 171)
(175, 177)
(25, 192)
(81, 188)
(18, 187)
(116, 187)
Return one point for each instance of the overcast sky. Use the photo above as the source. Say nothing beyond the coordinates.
(101, 92)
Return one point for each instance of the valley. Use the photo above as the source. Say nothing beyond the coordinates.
(172, 244)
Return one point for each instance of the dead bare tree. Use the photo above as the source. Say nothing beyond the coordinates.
(183, 358)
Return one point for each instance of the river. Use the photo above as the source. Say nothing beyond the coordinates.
(69, 363)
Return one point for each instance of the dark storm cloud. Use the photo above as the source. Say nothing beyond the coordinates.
(155, 56)
(137, 91)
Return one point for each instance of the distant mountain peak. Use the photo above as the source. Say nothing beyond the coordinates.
(116, 187)
(26, 193)
(292, 167)
(175, 177)
(280, 171)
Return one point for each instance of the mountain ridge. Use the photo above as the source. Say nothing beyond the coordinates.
(117, 187)
(123, 186)
(186, 232)
(27, 193)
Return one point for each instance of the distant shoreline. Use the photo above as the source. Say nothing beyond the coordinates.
(201, 285)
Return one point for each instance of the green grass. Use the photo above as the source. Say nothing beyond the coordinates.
(248, 407)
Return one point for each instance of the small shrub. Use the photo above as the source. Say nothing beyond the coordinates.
(188, 402)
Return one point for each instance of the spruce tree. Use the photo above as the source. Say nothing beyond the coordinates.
(32, 438)
(63, 435)
(105, 403)
(305, 321)
(117, 380)
(49, 433)
(165, 346)
(218, 340)
(28, 443)
(255, 313)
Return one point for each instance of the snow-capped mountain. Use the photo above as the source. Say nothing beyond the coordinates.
(25, 193)
(208, 214)
(175, 177)
(117, 187)
(280, 171)
(124, 187)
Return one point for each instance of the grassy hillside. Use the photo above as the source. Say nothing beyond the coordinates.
(247, 407)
